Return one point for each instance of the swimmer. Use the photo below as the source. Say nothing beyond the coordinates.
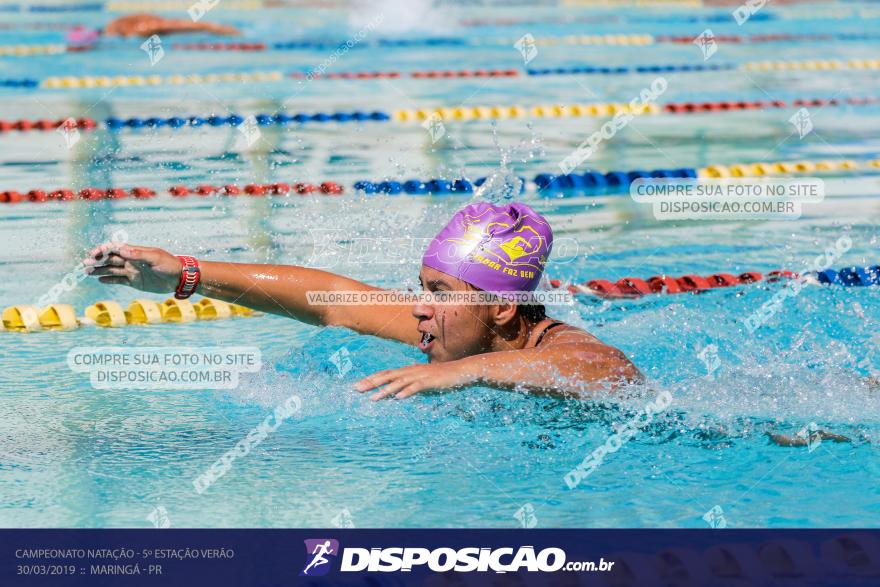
(485, 247)
(144, 25)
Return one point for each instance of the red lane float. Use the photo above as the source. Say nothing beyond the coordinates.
(686, 107)
(220, 46)
(633, 287)
(427, 74)
(687, 40)
(44, 125)
(93, 194)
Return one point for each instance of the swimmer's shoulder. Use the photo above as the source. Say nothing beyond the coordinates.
(558, 332)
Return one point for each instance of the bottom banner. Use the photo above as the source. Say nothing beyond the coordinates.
(274, 558)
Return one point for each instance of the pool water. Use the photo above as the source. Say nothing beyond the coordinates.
(71, 455)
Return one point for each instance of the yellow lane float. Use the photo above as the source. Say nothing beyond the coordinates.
(109, 314)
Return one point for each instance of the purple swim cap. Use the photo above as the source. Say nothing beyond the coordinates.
(493, 248)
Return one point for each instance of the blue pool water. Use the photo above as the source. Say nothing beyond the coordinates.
(71, 455)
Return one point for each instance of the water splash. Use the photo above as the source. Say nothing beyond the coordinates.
(401, 16)
(504, 184)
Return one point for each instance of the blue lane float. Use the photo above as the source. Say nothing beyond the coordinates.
(546, 183)
(282, 118)
(19, 83)
(619, 70)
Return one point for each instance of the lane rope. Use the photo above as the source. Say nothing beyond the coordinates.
(179, 191)
(110, 314)
(73, 82)
(591, 182)
(600, 183)
(634, 287)
(27, 50)
(24, 125)
(616, 39)
(442, 114)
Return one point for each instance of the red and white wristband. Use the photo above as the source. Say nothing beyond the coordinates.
(189, 277)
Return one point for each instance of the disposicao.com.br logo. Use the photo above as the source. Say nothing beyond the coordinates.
(442, 560)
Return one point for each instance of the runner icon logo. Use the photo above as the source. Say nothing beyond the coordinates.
(318, 553)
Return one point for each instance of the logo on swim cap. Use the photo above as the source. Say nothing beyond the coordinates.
(493, 248)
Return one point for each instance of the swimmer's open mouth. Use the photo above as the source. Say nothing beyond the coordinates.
(425, 343)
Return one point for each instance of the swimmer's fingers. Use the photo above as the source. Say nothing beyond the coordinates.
(391, 388)
(106, 270)
(411, 389)
(115, 280)
(394, 381)
(99, 254)
(375, 380)
(111, 260)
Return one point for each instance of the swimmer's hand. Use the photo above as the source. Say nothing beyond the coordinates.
(407, 381)
(143, 268)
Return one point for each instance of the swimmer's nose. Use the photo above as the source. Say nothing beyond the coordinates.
(423, 311)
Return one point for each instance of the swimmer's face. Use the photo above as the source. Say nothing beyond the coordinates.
(451, 332)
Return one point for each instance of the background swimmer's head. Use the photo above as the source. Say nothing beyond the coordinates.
(486, 247)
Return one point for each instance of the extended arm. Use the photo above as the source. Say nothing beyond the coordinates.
(278, 289)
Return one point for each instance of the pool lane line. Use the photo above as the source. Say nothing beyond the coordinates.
(110, 314)
(123, 6)
(28, 50)
(634, 287)
(598, 183)
(145, 312)
(546, 184)
(424, 114)
(328, 188)
(25, 125)
(22, 50)
(72, 82)
(724, 16)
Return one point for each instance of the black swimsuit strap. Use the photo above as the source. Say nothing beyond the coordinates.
(553, 324)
